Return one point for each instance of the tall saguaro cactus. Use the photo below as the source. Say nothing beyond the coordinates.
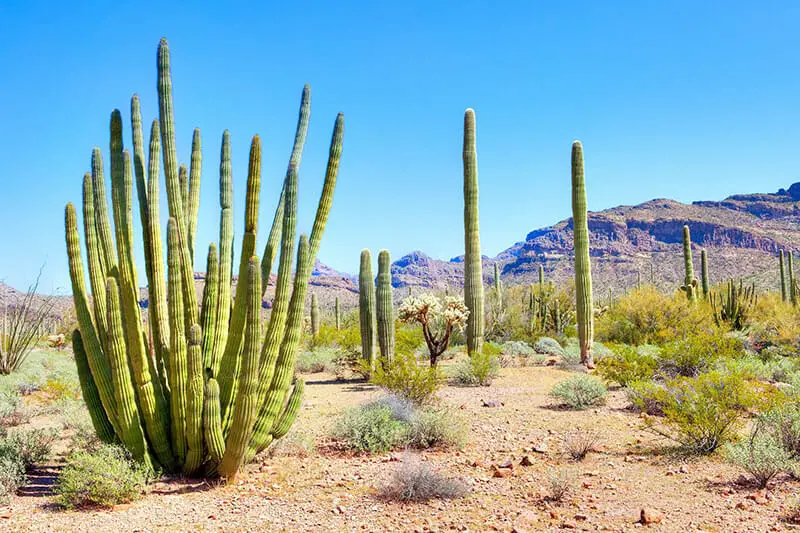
(791, 287)
(215, 390)
(337, 314)
(783, 275)
(704, 272)
(384, 312)
(366, 308)
(584, 308)
(315, 318)
(473, 267)
(689, 281)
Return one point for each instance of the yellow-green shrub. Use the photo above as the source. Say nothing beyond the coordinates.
(627, 365)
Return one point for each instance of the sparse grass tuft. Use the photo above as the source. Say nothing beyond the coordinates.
(416, 481)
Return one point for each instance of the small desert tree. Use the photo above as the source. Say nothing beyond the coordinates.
(437, 318)
(20, 323)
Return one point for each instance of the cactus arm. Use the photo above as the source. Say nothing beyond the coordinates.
(584, 308)
(383, 308)
(193, 202)
(212, 422)
(314, 315)
(231, 358)
(290, 412)
(689, 282)
(225, 253)
(246, 404)
(783, 276)
(91, 396)
(473, 268)
(704, 272)
(792, 288)
(131, 433)
(94, 351)
(326, 197)
(178, 355)
(208, 316)
(194, 402)
(101, 215)
(94, 257)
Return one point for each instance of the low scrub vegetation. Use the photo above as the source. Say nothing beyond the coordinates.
(417, 481)
(580, 392)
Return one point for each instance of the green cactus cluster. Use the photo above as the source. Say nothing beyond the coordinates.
(209, 385)
(689, 282)
(473, 267)
(733, 305)
(584, 308)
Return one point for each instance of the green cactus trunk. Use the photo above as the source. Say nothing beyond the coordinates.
(185, 398)
(315, 318)
(791, 288)
(366, 309)
(783, 276)
(541, 277)
(473, 268)
(584, 308)
(498, 287)
(337, 314)
(689, 282)
(383, 308)
(704, 273)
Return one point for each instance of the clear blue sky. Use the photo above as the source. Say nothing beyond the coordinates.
(682, 99)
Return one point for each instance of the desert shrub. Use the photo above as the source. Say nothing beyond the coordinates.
(414, 480)
(761, 456)
(103, 477)
(647, 316)
(783, 424)
(703, 413)
(696, 354)
(492, 348)
(477, 369)
(647, 397)
(560, 484)
(317, 360)
(30, 446)
(517, 348)
(407, 378)
(12, 410)
(370, 428)
(548, 346)
(62, 386)
(580, 392)
(775, 323)
(402, 409)
(407, 338)
(433, 428)
(12, 477)
(627, 365)
(26, 388)
(76, 419)
(578, 443)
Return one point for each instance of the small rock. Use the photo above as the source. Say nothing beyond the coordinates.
(540, 447)
(462, 406)
(581, 517)
(339, 509)
(502, 472)
(478, 463)
(683, 469)
(650, 516)
(508, 463)
(553, 514)
(492, 403)
(527, 460)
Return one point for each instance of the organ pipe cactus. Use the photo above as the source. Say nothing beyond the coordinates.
(473, 268)
(704, 272)
(791, 287)
(366, 309)
(783, 275)
(217, 387)
(584, 309)
(314, 315)
(689, 282)
(733, 306)
(384, 313)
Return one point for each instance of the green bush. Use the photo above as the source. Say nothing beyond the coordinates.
(316, 360)
(647, 397)
(703, 413)
(29, 446)
(518, 348)
(434, 428)
(477, 369)
(580, 392)
(12, 477)
(548, 346)
(696, 354)
(370, 428)
(416, 481)
(104, 477)
(783, 423)
(761, 456)
(408, 378)
(627, 366)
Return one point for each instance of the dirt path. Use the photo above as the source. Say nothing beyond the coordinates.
(330, 491)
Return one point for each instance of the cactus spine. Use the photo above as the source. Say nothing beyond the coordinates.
(384, 313)
(584, 309)
(473, 268)
(783, 276)
(207, 398)
(690, 282)
(366, 308)
(337, 314)
(314, 315)
(704, 272)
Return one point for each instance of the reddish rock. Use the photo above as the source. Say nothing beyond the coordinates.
(502, 472)
(650, 516)
(527, 460)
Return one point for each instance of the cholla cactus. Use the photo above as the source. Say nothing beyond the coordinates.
(437, 320)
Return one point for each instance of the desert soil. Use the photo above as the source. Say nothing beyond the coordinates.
(330, 490)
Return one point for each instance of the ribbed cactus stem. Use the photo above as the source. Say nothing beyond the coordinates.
(193, 201)
(704, 272)
(95, 261)
(337, 314)
(791, 288)
(91, 396)
(366, 308)
(315, 318)
(473, 268)
(689, 281)
(781, 262)
(178, 356)
(212, 422)
(383, 308)
(584, 308)
(225, 252)
(498, 286)
(541, 277)
(208, 316)
(194, 402)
